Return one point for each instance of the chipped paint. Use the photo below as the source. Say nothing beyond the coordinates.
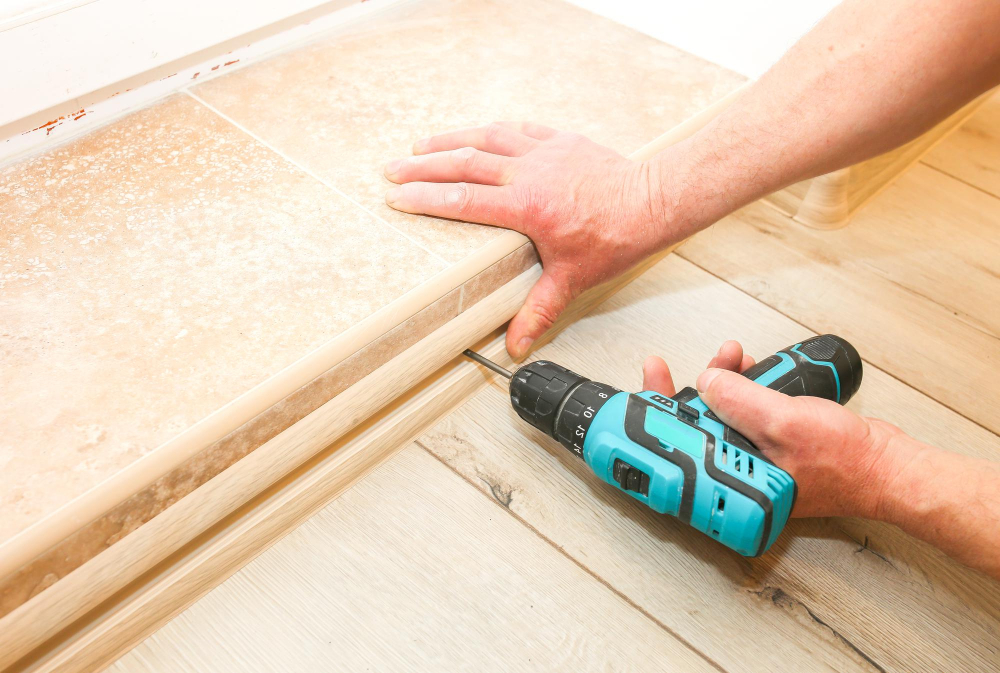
(50, 125)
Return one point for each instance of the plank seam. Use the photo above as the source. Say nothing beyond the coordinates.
(868, 363)
(958, 179)
(628, 601)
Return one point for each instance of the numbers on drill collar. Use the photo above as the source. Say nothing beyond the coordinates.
(578, 411)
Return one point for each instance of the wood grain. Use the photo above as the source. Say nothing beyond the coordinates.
(412, 570)
(972, 154)
(913, 282)
(845, 595)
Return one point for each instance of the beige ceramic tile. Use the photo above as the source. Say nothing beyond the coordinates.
(154, 271)
(346, 105)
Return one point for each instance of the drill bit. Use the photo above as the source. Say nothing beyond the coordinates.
(489, 364)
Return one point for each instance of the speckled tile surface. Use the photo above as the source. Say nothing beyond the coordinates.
(152, 272)
(349, 103)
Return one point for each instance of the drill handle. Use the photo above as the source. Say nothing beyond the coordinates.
(824, 366)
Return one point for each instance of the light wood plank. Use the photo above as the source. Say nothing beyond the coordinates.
(820, 598)
(972, 154)
(913, 282)
(412, 570)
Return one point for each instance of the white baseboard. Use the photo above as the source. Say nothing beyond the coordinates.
(79, 64)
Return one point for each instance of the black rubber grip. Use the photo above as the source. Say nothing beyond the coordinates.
(826, 366)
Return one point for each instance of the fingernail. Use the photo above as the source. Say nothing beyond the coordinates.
(524, 344)
(392, 167)
(706, 378)
(392, 195)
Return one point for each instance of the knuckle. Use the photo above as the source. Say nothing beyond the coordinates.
(546, 316)
(782, 425)
(494, 131)
(531, 204)
(465, 158)
(459, 197)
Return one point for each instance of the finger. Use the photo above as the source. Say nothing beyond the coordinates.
(532, 130)
(495, 138)
(747, 363)
(656, 376)
(483, 204)
(748, 407)
(465, 165)
(730, 356)
(544, 303)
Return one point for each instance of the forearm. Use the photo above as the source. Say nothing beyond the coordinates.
(870, 77)
(947, 499)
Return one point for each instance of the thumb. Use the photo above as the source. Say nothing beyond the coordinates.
(544, 303)
(750, 408)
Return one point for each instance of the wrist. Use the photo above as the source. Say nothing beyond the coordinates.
(665, 219)
(682, 193)
(897, 458)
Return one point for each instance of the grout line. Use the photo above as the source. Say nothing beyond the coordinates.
(868, 363)
(312, 174)
(958, 179)
(631, 603)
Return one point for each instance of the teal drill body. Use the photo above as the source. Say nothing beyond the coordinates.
(673, 454)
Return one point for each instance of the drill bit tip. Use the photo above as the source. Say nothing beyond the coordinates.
(489, 364)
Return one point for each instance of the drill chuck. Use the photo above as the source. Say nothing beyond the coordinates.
(557, 401)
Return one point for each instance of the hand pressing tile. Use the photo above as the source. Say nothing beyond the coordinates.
(348, 104)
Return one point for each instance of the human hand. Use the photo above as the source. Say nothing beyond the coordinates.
(839, 460)
(590, 212)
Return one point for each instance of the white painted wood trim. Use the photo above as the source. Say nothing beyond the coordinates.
(19, 12)
(80, 64)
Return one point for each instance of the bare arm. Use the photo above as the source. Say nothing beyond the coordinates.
(946, 499)
(869, 77)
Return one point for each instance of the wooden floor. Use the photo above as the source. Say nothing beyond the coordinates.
(484, 545)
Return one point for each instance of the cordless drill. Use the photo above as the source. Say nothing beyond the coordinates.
(673, 453)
